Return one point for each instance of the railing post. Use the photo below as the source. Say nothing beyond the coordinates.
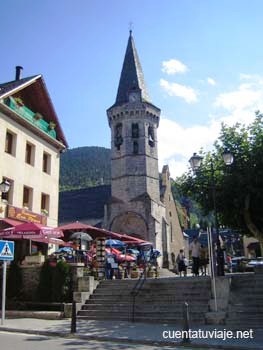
(186, 338)
(133, 307)
(73, 318)
(136, 290)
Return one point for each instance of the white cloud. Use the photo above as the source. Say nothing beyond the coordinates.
(178, 143)
(173, 66)
(242, 103)
(252, 78)
(244, 97)
(211, 81)
(175, 89)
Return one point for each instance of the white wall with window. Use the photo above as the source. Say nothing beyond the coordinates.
(33, 166)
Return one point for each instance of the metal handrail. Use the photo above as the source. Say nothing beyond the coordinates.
(136, 289)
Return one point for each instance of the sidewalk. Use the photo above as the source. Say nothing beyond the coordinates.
(126, 332)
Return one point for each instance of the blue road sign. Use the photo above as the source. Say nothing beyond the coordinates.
(7, 250)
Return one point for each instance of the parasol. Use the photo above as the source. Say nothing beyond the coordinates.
(83, 236)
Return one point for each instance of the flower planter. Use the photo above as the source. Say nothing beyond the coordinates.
(52, 126)
(38, 116)
(134, 274)
(151, 274)
(19, 102)
(35, 259)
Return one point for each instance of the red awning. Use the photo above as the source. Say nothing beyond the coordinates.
(133, 240)
(11, 222)
(75, 226)
(100, 232)
(52, 240)
(30, 230)
(92, 230)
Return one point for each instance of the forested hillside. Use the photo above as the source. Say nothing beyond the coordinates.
(90, 166)
(84, 167)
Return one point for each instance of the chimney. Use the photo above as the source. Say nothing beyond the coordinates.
(19, 72)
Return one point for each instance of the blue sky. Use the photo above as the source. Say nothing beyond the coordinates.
(202, 62)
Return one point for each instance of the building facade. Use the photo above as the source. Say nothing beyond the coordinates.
(31, 140)
(136, 207)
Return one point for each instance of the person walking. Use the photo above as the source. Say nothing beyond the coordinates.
(203, 260)
(181, 263)
(195, 250)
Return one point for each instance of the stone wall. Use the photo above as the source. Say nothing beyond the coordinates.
(31, 276)
(174, 237)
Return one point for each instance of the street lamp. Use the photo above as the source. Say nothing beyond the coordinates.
(4, 187)
(195, 162)
(228, 157)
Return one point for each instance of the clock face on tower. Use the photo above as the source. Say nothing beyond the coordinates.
(134, 96)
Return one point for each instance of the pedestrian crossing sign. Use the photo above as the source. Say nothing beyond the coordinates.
(6, 250)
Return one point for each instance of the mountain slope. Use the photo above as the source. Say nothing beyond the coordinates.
(84, 167)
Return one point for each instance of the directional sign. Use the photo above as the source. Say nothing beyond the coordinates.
(6, 250)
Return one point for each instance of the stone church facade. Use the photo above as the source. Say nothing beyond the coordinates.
(141, 203)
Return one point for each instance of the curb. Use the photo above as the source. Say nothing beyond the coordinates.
(128, 340)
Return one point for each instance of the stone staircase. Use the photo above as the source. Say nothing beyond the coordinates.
(162, 273)
(159, 300)
(245, 307)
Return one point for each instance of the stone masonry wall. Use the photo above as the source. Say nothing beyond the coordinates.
(31, 276)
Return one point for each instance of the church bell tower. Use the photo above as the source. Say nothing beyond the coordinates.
(135, 206)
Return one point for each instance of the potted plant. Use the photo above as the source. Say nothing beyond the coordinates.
(52, 125)
(38, 116)
(135, 272)
(19, 101)
(44, 212)
(121, 272)
(151, 272)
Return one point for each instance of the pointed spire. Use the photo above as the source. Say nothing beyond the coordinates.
(131, 75)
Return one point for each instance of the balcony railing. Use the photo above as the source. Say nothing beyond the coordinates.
(30, 116)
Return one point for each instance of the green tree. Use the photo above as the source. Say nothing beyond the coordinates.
(239, 187)
(62, 282)
(85, 167)
(14, 281)
(45, 282)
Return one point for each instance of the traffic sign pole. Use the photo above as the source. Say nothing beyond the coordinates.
(3, 291)
(6, 254)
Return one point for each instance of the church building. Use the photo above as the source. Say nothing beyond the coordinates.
(139, 201)
(137, 206)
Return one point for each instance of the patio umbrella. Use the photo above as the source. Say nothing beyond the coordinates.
(120, 257)
(64, 250)
(114, 243)
(83, 236)
(30, 230)
(156, 253)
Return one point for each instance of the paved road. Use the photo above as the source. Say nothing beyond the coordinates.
(15, 341)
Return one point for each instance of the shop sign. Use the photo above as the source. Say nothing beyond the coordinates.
(26, 215)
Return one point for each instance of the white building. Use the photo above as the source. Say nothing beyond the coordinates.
(31, 140)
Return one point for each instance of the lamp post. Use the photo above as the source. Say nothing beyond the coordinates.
(4, 187)
(195, 162)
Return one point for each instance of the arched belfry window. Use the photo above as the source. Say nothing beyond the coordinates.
(118, 140)
(135, 130)
(151, 136)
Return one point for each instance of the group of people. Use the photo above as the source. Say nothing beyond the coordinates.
(142, 259)
(199, 259)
